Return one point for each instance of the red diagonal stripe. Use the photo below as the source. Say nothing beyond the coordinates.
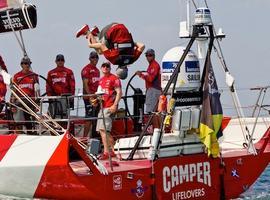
(225, 122)
(3, 3)
(5, 143)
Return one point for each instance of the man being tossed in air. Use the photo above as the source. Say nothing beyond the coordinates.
(115, 42)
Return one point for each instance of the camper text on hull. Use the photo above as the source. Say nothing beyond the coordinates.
(175, 175)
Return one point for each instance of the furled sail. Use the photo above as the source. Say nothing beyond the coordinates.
(16, 15)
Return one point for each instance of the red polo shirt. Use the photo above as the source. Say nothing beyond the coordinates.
(108, 85)
(60, 81)
(92, 74)
(26, 84)
(152, 77)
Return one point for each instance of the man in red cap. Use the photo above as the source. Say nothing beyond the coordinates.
(3, 87)
(61, 82)
(90, 76)
(111, 86)
(115, 42)
(26, 80)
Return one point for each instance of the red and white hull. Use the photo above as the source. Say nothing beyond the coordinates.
(233, 137)
(38, 166)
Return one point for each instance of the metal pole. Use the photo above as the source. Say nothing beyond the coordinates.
(172, 79)
(257, 102)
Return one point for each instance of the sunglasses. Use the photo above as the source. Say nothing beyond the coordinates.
(95, 57)
(106, 66)
(24, 63)
(149, 55)
(60, 60)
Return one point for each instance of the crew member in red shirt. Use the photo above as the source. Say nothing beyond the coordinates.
(3, 87)
(111, 86)
(115, 42)
(26, 80)
(60, 82)
(90, 76)
(153, 84)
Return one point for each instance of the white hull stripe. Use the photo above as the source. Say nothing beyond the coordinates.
(232, 134)
(24, 163)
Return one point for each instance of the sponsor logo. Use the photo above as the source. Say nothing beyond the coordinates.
(168, 67)
(194, 172)
(188, 194)
(193, 77)
(14, 22)
(26, 85)
(140, 189)
(117, 182)
(192, 66)
(190, 99)
(234, 173)
(57, 80)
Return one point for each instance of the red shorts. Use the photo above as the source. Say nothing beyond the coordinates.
(112, 55)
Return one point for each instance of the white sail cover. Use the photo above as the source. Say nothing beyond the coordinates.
(11, 4)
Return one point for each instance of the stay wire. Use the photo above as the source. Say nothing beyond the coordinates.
(194, 4)
(205, 2)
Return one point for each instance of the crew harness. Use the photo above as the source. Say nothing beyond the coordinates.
(118, 37)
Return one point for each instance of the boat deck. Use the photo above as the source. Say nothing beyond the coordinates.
(81, 169)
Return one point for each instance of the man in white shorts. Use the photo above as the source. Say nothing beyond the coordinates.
(111, 86)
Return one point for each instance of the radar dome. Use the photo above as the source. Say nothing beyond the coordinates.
(189, 75)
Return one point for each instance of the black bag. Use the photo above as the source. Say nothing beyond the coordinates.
(20, 18)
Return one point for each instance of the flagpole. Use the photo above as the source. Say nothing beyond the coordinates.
(209, 51)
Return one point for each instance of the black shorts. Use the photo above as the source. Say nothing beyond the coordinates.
(90, 111)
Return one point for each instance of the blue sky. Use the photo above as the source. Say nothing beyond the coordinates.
(153, 22)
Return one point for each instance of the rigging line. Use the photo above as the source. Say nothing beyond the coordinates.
(23, 45)
(13, 30)
(30, 100)
(39, 119)
(19, 108)
(34, 114)
(205, 2)
(236, 102)
(194, 4)
(259, 111)
(46, 124)
(232, 88)
(237, 105)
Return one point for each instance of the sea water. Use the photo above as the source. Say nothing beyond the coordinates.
(260, 190)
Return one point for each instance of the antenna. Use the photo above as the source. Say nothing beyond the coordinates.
(188, 16)
(185, 26)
